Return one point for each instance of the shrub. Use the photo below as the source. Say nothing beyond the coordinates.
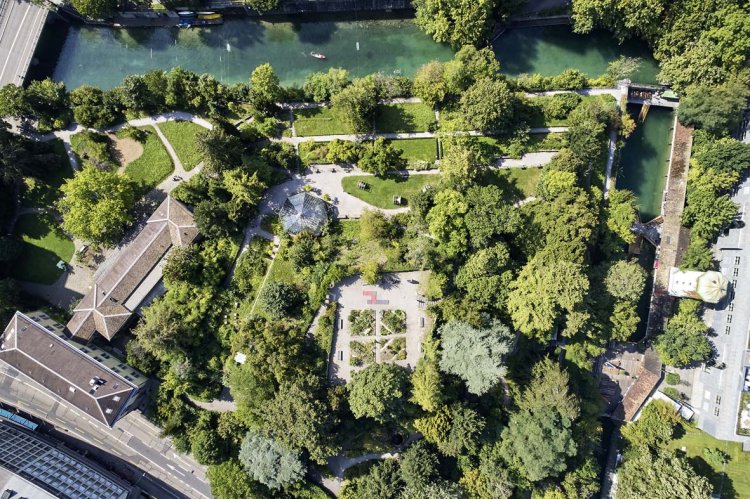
(280, 299)
(361, 353)
(395, 321)
(672, 393)
(362, 322)
(672, 378)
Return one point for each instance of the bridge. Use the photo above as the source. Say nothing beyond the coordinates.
(21, 24)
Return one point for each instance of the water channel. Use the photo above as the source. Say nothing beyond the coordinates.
(103, 56)
(644, 160)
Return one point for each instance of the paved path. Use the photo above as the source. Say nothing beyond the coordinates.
(21, 24)
(296, 140)
(611, 148)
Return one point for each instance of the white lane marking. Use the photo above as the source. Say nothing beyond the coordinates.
(15, 39)
(34, 32)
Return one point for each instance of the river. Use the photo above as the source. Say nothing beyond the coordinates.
(644, 160)
(103, 56)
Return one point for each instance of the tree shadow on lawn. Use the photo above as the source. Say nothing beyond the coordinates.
(509, 185)
(393, 119)
(718, 480)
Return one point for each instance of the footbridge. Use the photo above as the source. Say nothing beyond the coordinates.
(21, 24)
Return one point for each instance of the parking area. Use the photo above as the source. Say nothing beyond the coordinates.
(381, 323)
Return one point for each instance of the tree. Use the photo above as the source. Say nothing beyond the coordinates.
(268, 462)
(623, 67)
(246, 191)
(429, 83)
(263, 5)
(661, 476)
(542, 292)
(182, 264)
(265, 90)
(10, 298)
(382, 481)
(539, 437)
(13, 101)
(321, 86)
(624, 320)
(96, 205)
(553, 183)
(490, 215)
(48, 102)
(724, 154)
(454, 430)
(461, 164)
(427, 385)
(475, 355)
(354, 105)
(280, 299)
(205, 445)
(655, 426)
(682, 348)
(229, 481)
(296, 419)
(714, 109)
(91, 107)
(468, 66)
(487, 105)
(625, 280)
(446, 221)
(375, 226)
(378, 392)
(455, 22)
(708, 214)
(418, 465)
(95, 9)
(620, 212)
(491, 479)
(486, 276)
(698, 256)
(716, 457)
(343, 151)
(219, 150)
(381, 157)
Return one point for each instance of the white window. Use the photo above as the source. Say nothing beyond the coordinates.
(116, 398)
(108, 411)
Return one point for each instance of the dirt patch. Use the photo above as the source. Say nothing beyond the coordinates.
(125, 150)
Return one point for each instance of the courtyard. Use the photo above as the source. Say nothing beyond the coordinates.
(378, 323)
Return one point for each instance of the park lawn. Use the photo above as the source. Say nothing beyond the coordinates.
(381, 190)
(517, 183)
(153, 166)
(400, 118)
(282, 269)
(417, 149)
(44, 244)
(43, 191)
(547, 142)
(695, 440)
(318, 121)
(183, 135)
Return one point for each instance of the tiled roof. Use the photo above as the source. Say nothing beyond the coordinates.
(649, 377)
(103, 309)
(63, 369)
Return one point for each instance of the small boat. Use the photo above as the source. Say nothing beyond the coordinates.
(186, 13)
(318, 55)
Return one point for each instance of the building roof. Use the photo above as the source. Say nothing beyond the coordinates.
(33, 459)
(39, 350)
(710, 286)
(132, 275)
(648, 377)
(303, 211)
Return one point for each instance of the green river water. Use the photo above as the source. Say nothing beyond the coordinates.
(644, 160)
(103, 56)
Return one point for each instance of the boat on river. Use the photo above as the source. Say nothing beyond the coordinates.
(318, 55)
(197, 19)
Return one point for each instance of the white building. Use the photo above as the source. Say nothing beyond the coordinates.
(710, 286)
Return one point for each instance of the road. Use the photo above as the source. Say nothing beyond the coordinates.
(715, 393)
(21, 24)
(133, 439)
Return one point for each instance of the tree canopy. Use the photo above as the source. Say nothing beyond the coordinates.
(268, 462)
(378, 392)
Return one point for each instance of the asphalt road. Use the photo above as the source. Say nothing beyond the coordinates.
(716, 392)
(21, 24)
(134, 443)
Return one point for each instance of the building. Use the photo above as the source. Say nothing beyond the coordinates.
(302, 212)
(137, 270)
(710, 287)
(35, 467)
(628, 376)
(83, 376)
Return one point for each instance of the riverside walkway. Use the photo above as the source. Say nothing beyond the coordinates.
(673, 236)
(21, 24)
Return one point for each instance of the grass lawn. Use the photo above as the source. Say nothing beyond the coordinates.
(547, 141)
(318, 121)
(282, 269)
(737, 481)
(381, 190)
(397, 118)
(518, 183)
(44, 191)
(153, 166)
(44, 246)
(183, 137)
(417, 149)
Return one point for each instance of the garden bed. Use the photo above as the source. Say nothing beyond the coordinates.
(393, 321)
(362, 322)
(361, 353)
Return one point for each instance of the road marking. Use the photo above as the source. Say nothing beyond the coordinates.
(31, 41)
(15, 39)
